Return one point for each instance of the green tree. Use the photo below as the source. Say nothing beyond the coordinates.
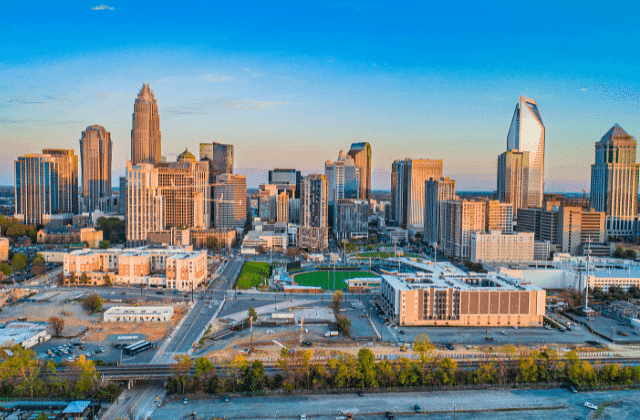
(253, 314)
(203, 365)
(38, 259)
(446, 372)
(19, 261)
(84, 279)
(104, 244)
(93, 303)
(6, 269)
(367, 368)
(87, 375)
(181, 369)
(107, 280)
(344, 325)
(42, 416)
(72, 278)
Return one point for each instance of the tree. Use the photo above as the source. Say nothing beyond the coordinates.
(203, 365)
(338, 297)
(72, 278)
(181, 368)
(446, 372)
(104, 244)
(6, 269)
(253, 316)
(57, 324)
(423, 346)
(19, 261)
(87, 375)
(38, 268)
(344, 325)
(84, 279)
(107, 280)
(42, 416)
(367, 368)
(93, 303)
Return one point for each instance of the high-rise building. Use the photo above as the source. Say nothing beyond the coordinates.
(230, 202)
(458, 220)
(614, 181)
(145, 133)
(122, 201)
(407, 189)
(352, 219)
(435, 191)
(499, 217)
(145, 203)
(286, 176)
(294, 210)
(220, 157)
(361, 154)
(343, 178)
(282, 207)
(314, 231)
(66, 170)
(267, 206)
(527, 134)
(513, 179)
(184, 184)
(95, 152)
(36, 190)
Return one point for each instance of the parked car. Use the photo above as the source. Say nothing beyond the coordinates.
(226, 398)
(390, 415)
(303, 417)
(622, 333)
(185, 401)
(417, 408)
(591, 406)
(488, 339)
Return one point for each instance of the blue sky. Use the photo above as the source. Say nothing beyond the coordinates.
(290, 84)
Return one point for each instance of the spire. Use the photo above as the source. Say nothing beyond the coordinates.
(616, 133)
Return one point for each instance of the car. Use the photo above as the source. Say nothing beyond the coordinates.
(547, 327)
(349, 416)
(303, 417)
(69, 359)
(515, 327)
(417, 408)
(226, 398)
(185, 401)
(101, 350)
(504, 332)
(159, 292)
(402, 332)
(88, 354)
(450, 346)
(400, 339)
(622, 333)
(591, 406)
(488, 339)
(360, 394)
(390, 415)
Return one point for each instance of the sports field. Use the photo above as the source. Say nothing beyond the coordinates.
(252, 274)
(325, 279)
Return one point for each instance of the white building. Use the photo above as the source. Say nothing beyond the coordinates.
(25, 334)
(138, 314)
(497, 247)
(269, 240)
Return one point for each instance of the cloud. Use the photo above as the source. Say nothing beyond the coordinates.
(358, 6)
(202, 107)
(32, 121)
(584, 89)
(103, 7)
(217, 77)
(21, 100)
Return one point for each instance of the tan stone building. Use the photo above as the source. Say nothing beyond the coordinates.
(497, 247)
(449, 296)
(4, 249)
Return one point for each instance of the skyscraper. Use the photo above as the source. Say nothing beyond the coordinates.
(286, 176)
(145, 203)
(314, 231)
(527, 134)
(145, 134)
(361, 154)
(513, 179)
(407, 188)
(435, 191)
(343, 178)
(230, 202)
(36, 188)
(95, 152)
(614, 181)
(66, 171)
(220, 157)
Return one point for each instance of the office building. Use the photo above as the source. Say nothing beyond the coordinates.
(122, 200)
(267, 205)
(66, 170)
(498, 247)
(435, 191)
(145, 132)
(361, 154)
(458, 220)
(230, 202)
(282, 204)
(343, 178)
(444, 295)
(294, 210)
(286, 176)
(352, 219)
(313, 233)
(614, 181)
(408, 189)
(96, 153)
(513, 179)
(145, 202)
(527, 134)
(499, 216)
(219, 156)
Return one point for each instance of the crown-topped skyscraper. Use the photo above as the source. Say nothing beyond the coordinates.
(145, 134)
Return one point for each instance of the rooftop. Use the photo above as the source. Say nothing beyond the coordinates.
(170, 251)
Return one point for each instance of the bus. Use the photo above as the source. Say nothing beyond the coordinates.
(136, 348)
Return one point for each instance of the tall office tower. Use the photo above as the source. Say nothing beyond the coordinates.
(343, 178)
(513, 179)
(614, 181)
(267, 202)
(407, 189)
(526, 134)
(184, 184)
(220, 157)
(66, 170)
(499, 216)
(352, 219)
(122, 201)
(576, 227)
(435, 191)
(458, 220)
(313, 232)
(95, 152)
(286, 176)
(282, 215)
(145, 134)
(361, 154)
(145, 203)
(294, 210)
(230, 202)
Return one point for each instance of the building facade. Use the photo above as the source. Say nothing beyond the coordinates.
(145, 131)
(408, 189)
(527, 134)
(352, 219)
(314, 227)
(343, 178)
(499, 216)
(513, 179)
(230, 202)
(361, 154)
(614, 181)
(435, 191)
(459, 220)
(145, 202)
(282, 204)
(286, 176)
(96, 154)
(219, 156)
(498, 247)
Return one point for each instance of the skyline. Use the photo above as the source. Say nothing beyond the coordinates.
(299, 84)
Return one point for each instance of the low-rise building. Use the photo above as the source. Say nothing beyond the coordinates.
(26, 334)
(138, 314)
(4, 249)
(497, 247)
(363, 284)
(268, 240)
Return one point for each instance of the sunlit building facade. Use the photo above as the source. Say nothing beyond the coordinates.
(96, 153)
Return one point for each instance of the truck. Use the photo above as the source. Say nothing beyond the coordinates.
(331, 334)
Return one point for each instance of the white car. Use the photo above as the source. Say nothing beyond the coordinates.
(591, 406)
(303, 417)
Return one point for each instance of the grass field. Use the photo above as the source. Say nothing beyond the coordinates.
(325, 279)
(252, 274)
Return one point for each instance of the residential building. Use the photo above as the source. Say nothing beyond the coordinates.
(286, 176)
(66, 169)
(267, 205)
(4, 249)
(352, 219)
(361, 154)
(499, 216)
(513, 179)
(268, 240)
(614, 181)
(122, 201)
(145, 131)
(230, 202)
(217, 238)
(458, 220)
(314, 229)
(145, 202)
(169, 237)
(498, 247)
(527, 134)
(96, 153)
(408, 189)
(435, 191)
(282, 204)
(343, 178)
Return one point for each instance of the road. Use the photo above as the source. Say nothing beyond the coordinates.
(136, 403)
(536, 404)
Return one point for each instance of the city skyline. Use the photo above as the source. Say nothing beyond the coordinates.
(285, 94)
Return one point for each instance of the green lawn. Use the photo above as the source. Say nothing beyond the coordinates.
(325, 279)
(252, 274)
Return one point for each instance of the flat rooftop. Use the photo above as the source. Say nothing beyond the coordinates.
(172, 252)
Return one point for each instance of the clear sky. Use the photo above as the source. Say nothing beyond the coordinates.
(290, 84)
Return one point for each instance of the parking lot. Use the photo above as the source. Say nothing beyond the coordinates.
(611, 328)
